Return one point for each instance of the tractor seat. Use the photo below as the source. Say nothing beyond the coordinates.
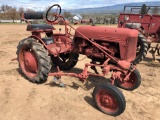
(36, 27)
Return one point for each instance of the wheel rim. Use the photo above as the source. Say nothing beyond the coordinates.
(28, 62)
(129, 83)
(106, 101)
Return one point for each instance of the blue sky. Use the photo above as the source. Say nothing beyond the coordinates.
(65, 4)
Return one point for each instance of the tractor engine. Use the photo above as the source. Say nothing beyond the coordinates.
(94, 53)
(118, 42)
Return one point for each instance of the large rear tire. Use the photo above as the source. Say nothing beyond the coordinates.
(142, 48)
(34, 62)
(109, 99)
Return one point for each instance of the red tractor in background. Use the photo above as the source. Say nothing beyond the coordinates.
(111, 49)
(148, 27)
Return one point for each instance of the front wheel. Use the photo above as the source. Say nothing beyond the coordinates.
(109, 99)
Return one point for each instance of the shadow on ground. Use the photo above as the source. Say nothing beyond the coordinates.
(91, 82)
(90, 101)
(149, 62)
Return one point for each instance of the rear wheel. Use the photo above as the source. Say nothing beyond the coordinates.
(66, 61)
(142, 48)
(109, 99)
(131, 84)
(34, 61)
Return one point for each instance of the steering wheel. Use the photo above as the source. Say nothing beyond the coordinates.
(53, 12)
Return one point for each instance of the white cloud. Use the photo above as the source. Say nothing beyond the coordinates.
(65, 4)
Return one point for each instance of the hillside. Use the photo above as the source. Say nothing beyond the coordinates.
(111, 9)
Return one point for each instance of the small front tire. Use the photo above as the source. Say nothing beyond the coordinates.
(109, 99)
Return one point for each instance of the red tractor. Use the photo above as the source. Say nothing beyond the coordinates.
(111, 49)
(148, 27)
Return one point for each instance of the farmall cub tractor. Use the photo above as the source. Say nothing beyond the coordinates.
(111, 49)
(148, 26)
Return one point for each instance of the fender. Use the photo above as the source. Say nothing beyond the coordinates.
(37, 38)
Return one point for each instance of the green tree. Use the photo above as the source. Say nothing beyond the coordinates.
(143, 9)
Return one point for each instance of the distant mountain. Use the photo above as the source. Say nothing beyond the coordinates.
(110, 9)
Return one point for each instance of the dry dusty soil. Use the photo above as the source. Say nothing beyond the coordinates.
(23, 100)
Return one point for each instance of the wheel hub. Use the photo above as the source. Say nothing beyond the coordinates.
(30, 61)
(106, 101)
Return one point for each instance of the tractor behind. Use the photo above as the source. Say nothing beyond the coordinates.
(148, 26)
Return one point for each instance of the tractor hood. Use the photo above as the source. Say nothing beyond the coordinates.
(126, 38)
(106, 33)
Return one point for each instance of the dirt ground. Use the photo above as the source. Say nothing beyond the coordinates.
(23, 100)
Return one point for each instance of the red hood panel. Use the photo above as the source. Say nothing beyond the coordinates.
(106, 33)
